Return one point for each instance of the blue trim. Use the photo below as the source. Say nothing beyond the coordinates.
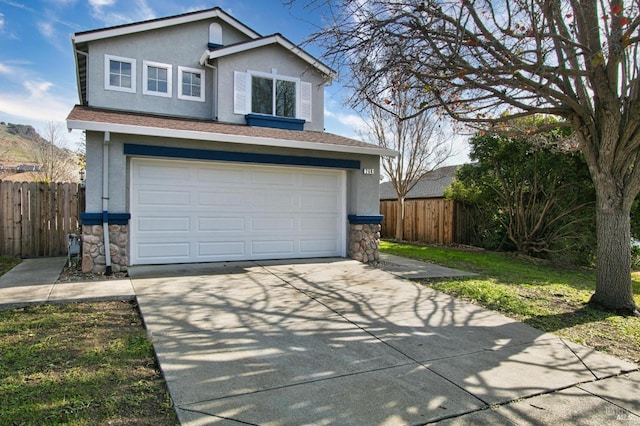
(287, 123)
(214, 45)
(241, 157)
(98, 218)
(365, 220)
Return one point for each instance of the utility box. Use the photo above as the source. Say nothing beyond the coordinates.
(74, 242)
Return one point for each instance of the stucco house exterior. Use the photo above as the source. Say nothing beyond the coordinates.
(205, 142)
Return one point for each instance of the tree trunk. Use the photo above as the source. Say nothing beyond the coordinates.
(613, 280)
(400, 219)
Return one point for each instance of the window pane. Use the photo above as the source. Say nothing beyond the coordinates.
(157, 79)
(285, 98)
(119, 74)
(191, 84)
(261, 95)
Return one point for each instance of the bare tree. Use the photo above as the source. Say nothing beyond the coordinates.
(485, 62)
(417, 138)
(58, 163)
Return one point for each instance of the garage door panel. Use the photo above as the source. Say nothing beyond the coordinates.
(319, 202)
(161, 251)
(273, 201)
(282, 248)
(221, 176)
(270, 224)
(314, 180)
(266, 178)
(221, 199)
(168, 224)
(221, 224)
(318, 246)
(164, 198)
(170, 173)
(221, 249)
(313, 223)
(232, 211)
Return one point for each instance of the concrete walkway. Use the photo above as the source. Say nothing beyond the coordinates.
(34, 282)
(332, 341)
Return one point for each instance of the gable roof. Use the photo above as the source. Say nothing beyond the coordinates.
(153, 24)
(276, 39)
(432, 185)
(103, 120)
(80, 40)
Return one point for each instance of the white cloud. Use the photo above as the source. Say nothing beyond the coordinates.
(5, 69)
(62, 2)
(37, 89)
(1, 21)
(46, 29)
(141, 11)
(353, 122)
(101, 3)
(37, 104)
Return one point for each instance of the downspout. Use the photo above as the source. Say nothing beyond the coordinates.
(105, 201)
(205, 63)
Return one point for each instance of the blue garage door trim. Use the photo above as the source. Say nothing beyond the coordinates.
(238, 157)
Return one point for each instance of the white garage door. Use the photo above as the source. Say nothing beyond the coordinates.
(190, 211)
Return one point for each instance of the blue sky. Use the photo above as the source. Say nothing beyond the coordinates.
(37, 76)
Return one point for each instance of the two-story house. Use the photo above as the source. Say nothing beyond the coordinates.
(205, 142)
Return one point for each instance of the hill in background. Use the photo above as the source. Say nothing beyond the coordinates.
(26, 156)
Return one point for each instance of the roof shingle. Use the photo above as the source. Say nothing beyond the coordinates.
(86, 114)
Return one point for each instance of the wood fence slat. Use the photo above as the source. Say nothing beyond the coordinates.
(426, 220)
(35, 218)
(4, 202)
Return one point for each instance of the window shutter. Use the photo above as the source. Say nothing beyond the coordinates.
(305, 101)
(239, 92)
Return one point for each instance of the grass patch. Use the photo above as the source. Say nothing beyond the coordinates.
(79, 364)
(7, 263)
(548, 297)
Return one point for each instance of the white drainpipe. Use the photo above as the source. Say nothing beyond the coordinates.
(205, 63)
(105, 201)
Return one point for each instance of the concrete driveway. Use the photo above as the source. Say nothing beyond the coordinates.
(334, 341)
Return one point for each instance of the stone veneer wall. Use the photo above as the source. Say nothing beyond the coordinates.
(93, 257)
(364, 242)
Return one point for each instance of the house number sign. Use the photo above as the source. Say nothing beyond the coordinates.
(368, 171)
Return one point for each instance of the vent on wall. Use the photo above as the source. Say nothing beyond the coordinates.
(215, 36)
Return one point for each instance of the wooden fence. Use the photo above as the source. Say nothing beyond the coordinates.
(35, 218)
(433, 220)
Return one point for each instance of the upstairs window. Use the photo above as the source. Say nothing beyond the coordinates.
(191, 84)
(271, 94)
(120, 74)
(157, 79)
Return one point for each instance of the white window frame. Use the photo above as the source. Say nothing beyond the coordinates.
(107, 73)
(272, 76)
(181, 71)
(145, 75)
(242, 96)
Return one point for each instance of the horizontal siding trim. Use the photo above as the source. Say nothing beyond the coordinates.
(238, 157)
(365, 220)
(98, 218)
